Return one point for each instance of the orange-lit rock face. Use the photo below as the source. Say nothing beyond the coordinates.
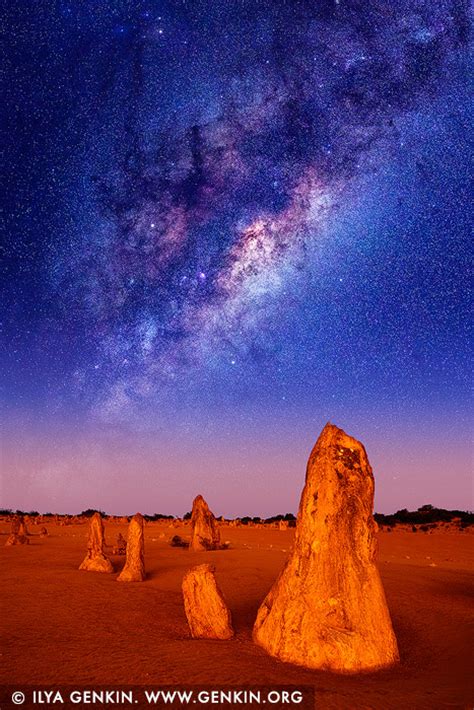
(205, 533)
(134, 569)
(206, 611)
(327, 609)
(96, 560)
(18, 532)
(22, 529)
(15, 524)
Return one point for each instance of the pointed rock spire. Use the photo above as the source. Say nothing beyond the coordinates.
(205, 533)
(327, 609)
(134, 569)
(96, 560)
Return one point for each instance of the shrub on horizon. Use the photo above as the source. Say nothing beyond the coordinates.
(90, 512)
(158, 516)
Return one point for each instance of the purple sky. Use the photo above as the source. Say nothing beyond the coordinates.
(69, 471)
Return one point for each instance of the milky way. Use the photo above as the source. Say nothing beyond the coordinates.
(204, 213)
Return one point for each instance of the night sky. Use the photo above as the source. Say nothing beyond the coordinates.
(228, 222)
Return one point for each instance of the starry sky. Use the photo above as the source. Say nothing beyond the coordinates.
(227, 223)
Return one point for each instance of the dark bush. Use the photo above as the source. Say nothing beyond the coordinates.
(177, 541)
(158, 516)
(426, 515)
(90, 512)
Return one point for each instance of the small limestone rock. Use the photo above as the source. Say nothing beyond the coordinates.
(327, 609)
(16, 540)
(120, 546)
(134, 570)
(18, 532)
(205, 533)
(96, 560)
(206, 611)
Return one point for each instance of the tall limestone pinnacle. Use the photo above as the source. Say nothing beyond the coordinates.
(205, 532)
(327, 609)
(96, 560)
(134, 569)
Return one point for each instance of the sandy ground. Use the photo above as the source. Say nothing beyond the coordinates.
(62, 626)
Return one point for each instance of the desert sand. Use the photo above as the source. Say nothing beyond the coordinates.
(61, 626)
